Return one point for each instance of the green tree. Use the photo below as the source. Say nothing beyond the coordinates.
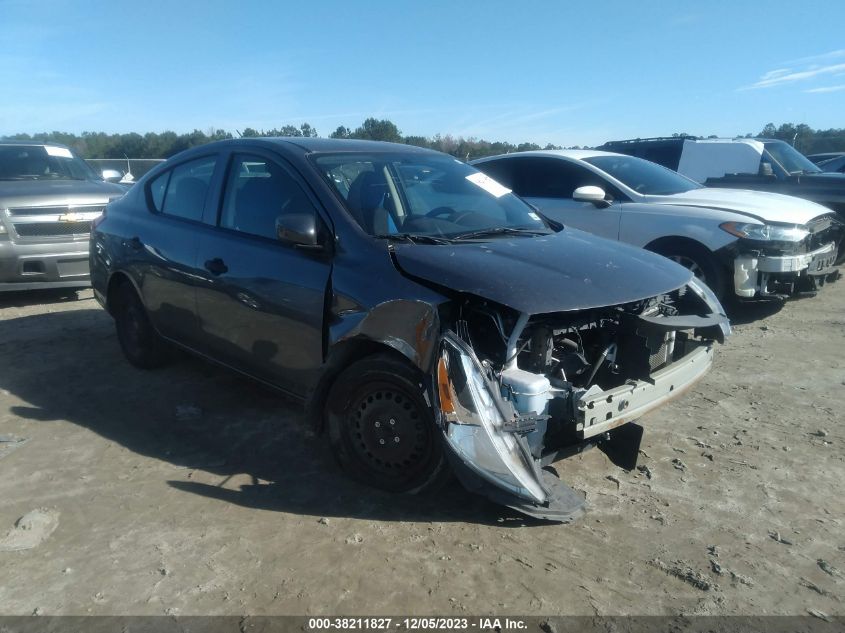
(378, 130)
(341, 132)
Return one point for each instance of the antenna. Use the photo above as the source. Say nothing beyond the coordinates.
(127, 177)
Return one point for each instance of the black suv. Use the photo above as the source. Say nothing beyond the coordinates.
(741, 163)
(427, 317)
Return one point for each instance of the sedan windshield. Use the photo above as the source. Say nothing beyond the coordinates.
(649, 179)
(408, 195)
(42, 162)
(790, 158)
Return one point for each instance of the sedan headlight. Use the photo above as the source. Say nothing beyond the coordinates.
(475, 429)
(765, 232)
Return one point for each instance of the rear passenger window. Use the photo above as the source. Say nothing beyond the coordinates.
(157, 188)
(258, 191)
(181, 191)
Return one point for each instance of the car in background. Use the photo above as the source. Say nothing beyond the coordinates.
(824, 156)
(743, 243)
(48, 199)
(836, 165)
(429, 319)
(741, 163)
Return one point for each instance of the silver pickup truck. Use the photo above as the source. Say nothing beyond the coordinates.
(48, 199)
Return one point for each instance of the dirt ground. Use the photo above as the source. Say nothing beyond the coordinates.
(190, 490)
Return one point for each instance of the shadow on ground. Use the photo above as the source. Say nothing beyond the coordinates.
(197, 416)
(21, 299)
(745, 312)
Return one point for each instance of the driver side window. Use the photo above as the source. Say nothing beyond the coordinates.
(533, 177)
(554, 178)
(258, 191)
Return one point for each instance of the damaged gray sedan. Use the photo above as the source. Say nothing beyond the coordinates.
(431, 321)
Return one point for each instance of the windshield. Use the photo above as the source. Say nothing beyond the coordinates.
(790, 158)
(426, 195)
(649, 179)
(42, 162)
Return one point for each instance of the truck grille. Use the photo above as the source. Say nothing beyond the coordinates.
(53, 229)
(53, 221)
(56, 210)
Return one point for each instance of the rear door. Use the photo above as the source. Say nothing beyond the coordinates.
(548, 183)
(260, 302)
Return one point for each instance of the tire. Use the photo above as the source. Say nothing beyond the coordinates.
(381, 429)
(141, 344)
(698, 260)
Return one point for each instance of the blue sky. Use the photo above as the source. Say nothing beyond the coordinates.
(565, 72)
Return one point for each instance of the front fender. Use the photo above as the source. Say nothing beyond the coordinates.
(408, 326)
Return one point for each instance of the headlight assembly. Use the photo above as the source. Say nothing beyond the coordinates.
(475, 424)
(765, 232)
(703, 292)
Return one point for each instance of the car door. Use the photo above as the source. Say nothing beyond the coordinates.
(548, 184)
(161, 246)
(260, 303)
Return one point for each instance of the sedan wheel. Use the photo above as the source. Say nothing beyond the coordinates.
(139, 341)
(381, 428)
(699, 261)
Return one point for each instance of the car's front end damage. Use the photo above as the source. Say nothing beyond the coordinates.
(517, 391)
(782, 260)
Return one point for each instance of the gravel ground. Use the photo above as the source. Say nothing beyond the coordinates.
(190, 490)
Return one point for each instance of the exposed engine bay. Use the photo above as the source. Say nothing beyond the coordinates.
(520, 391)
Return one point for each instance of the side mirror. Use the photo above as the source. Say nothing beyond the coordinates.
(299, 229)
(112, 175)
(591, 193)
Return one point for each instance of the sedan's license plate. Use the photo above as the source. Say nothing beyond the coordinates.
(821, 264)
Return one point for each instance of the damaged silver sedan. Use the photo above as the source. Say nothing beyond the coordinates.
(431, 321)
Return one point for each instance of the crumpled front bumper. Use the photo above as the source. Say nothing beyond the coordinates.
(600, 411)
(753, 272)
(488, 449)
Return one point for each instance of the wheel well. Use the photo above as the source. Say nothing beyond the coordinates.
(664, 244)
(117, 280)
(340, 357)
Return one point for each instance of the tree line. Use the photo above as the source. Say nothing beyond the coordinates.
(166, 144)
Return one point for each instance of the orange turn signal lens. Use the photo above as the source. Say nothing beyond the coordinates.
(444, 388)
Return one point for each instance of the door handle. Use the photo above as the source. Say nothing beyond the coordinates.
(216, 266)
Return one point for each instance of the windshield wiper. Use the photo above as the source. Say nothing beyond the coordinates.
(413, 238)
(500, 230)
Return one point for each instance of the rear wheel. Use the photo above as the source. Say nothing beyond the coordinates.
(382, 430)
(699, 261)
(141, 345)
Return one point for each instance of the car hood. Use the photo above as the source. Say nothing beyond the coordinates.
(826, 176)
(569, 270)
(34, 193)
(760, 205)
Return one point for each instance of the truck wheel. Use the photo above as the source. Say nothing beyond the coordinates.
(381, 429)
(700, 262)
(141, 345)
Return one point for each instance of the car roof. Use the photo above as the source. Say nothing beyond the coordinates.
(575, 154)
(756, 141)
(32, 142)
(316, 144)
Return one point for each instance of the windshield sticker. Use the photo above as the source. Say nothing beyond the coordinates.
(534, 216)
(61, 152)
(488, 184)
